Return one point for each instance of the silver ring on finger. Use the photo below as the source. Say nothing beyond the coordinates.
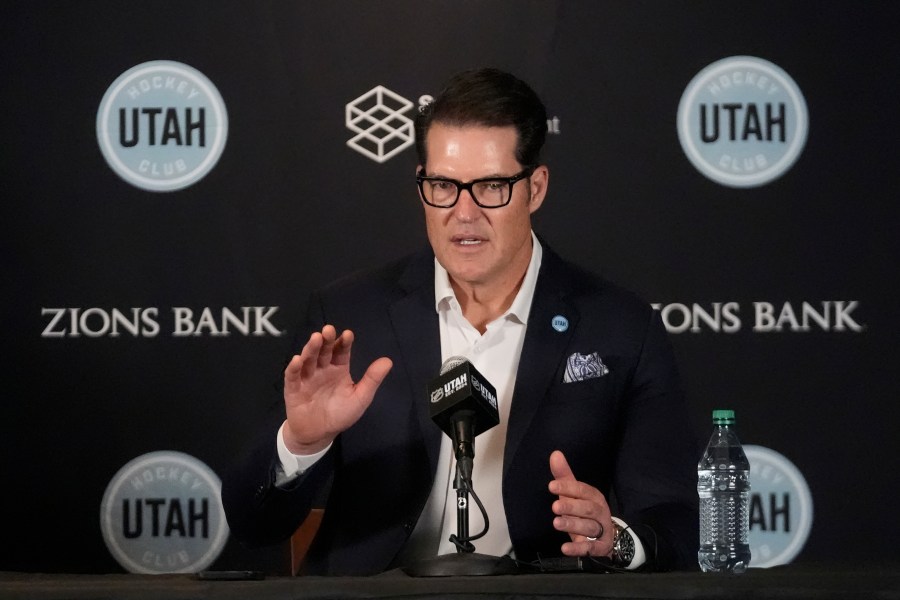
(599, 535)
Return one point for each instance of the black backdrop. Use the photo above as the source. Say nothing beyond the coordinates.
(290, 206)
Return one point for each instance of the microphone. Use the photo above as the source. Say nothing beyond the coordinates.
(464, 405)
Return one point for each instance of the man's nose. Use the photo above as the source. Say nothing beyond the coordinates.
(465, 209)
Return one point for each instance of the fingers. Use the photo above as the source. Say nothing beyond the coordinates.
(564, 482)
(292, 374)
(326, 348)
(589, 537)
(341, 351)
(587, 548)
(581, 511)
(374, 375)
(364, 390)
(581, 518)
(583, 526)
(329, 338)
(321, 350)
(559, 466)
(309, 356)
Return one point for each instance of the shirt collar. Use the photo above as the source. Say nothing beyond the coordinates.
(521, 305)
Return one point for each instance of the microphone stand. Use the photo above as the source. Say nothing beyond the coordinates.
(466, 561)
(462, 514)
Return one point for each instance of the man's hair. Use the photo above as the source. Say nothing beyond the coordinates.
(490, 98)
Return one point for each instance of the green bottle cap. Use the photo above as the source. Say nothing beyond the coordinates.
(723, 417)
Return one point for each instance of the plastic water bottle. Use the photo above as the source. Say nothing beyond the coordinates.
(723, 484)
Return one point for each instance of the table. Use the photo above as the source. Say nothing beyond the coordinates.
(820, 581)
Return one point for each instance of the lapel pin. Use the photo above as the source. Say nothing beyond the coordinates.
(559, 323)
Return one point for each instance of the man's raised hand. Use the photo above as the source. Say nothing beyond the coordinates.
(320, 397)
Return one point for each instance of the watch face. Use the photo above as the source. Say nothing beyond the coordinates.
(623, 549)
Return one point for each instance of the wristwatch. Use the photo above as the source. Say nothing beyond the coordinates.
(623, 547)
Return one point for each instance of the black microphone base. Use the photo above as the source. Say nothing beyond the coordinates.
(464, 564)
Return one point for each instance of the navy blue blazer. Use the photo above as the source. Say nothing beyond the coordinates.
(627, 433)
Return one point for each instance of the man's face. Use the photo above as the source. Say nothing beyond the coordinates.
(477, 245)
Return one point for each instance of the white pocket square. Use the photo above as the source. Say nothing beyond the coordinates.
(584, 366)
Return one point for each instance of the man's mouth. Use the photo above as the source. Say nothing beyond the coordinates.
(467, 240)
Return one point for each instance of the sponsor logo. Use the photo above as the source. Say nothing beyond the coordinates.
(181, 321)
(455, 384)
(162, 126)
(162, 513)
(486, 393)
(742, 121)
(553, 123)
(381, 126)
(766, 317)
(553, 126)
(781, 508)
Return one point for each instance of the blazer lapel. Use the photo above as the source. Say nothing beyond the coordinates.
(543, 349)
(415, 323)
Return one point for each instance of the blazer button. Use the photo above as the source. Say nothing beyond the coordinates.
(408, 525)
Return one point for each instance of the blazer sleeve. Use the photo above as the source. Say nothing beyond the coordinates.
(259, 512)
(655, 469)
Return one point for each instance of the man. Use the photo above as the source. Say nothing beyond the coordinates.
(588, 392)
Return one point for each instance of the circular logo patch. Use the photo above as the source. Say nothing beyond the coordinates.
(742, 121)
(162, 126)
(781, 508)
(162, 513)
(559, 323)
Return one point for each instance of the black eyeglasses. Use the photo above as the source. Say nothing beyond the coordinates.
(487, 192)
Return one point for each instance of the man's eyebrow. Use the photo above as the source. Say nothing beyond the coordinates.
(488, 176)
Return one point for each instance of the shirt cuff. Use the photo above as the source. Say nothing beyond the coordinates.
(293, 465)
(640, 557)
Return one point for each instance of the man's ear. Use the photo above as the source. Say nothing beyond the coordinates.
(538, 181)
